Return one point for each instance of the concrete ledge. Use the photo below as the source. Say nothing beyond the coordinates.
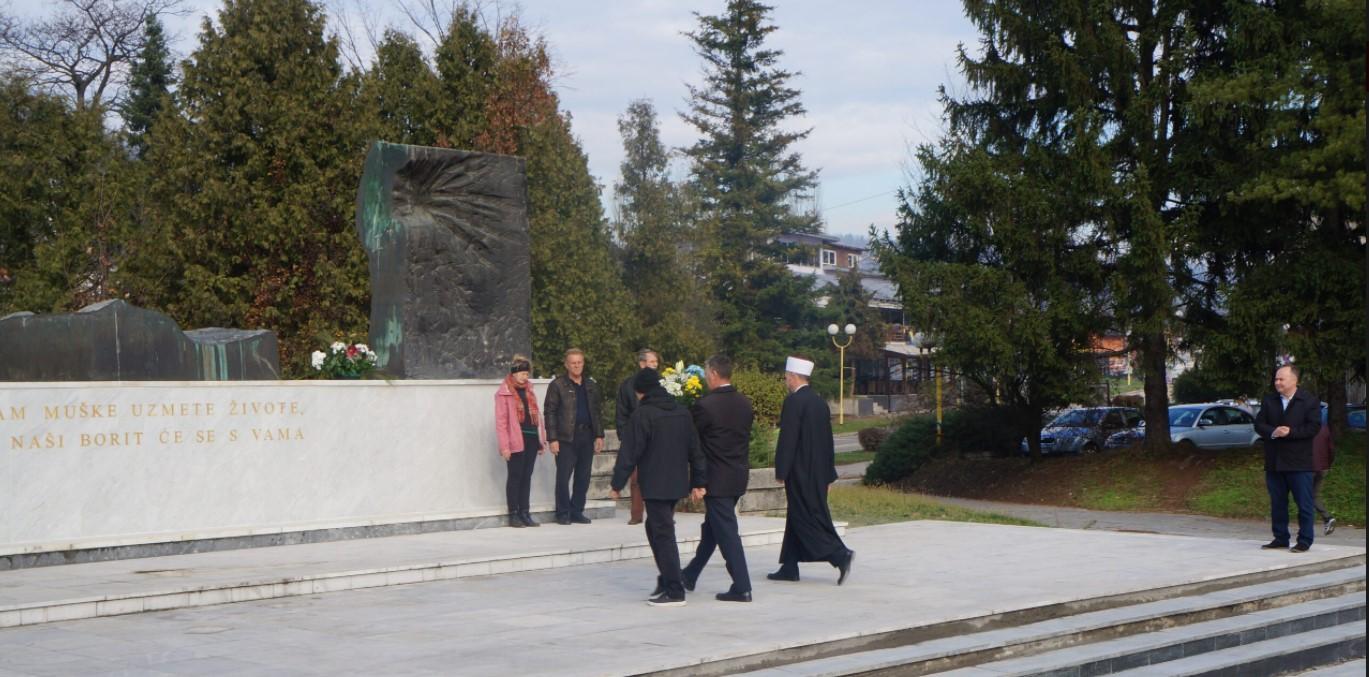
(313, 569)
(86, 555)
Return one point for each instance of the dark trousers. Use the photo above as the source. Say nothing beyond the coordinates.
(518, 487)
(573, 466)
(660, 533)
(1317, 479)
(720, 530)
(1280, 484)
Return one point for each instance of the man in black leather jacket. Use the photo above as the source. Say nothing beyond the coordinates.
(575, 433)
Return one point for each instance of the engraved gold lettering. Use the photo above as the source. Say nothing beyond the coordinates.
(16, 413)
(44, 441)
(80, 410)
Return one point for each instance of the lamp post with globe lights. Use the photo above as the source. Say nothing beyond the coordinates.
(850, 330)
(925, 345)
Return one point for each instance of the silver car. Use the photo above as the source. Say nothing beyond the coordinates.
(1211, 426)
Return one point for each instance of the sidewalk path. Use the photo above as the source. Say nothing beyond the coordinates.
(1146, 522)
(591, 620)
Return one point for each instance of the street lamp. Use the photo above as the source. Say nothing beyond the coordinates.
(926, 345)
(841, 366)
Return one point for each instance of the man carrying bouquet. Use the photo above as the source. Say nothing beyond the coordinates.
(663, 448)
(723, 418)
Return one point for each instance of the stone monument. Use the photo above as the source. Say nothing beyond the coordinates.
(114, 341)
(446, 233)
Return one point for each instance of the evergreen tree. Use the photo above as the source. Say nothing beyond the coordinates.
(65, 210)
(577, 297)
(402, 92)
(465, 61)
(149, 83)
(1110, 77)
(653, 229)
(1284, 181)
(255, 175)
(745, 172)
(997, 264)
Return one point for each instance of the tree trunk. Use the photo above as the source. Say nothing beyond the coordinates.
(1153, 358)
(1033, 426)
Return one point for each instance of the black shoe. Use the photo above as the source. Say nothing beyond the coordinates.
(528, 521)
(689, 582)
(730, 596)
(1274, 545)
(1330, 526)
(563, 521)
(845, 566)
(516, 520)
(664, 599)
(1300, 548)
(580, 519)
(783, 575)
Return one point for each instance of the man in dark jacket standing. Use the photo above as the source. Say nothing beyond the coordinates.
(575, 433)
(723, 418)
(627, 403)
(663, 447)
(805, 463)
(1288, 420)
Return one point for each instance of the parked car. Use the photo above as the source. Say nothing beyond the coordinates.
(1125, 438)
(1212, 426)
(1083, 431)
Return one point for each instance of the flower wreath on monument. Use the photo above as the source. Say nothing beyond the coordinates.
(343, 361)
(685, 384)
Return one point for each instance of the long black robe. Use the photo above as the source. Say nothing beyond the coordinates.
(805, 460)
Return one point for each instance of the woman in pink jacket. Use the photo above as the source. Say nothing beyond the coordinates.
(522, 437)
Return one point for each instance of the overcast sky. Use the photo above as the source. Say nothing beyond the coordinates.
(869, 72)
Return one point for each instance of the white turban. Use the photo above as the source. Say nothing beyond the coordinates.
(799, 366)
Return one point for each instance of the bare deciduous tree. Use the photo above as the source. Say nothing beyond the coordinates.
(83, 48)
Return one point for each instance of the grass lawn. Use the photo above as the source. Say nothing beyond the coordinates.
(855, 425)
(849, 457)
(1237, 489)
(1220, 482)
(863, 506)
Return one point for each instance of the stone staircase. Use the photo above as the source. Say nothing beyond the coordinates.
(1263, 623)
(764, 494)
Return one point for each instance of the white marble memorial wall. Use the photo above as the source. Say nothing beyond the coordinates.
(86, 465)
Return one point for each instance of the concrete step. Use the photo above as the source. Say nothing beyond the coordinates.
(1353, 668)
(966, 645)
(50, 594)
(1160, 650)
(1310, 649)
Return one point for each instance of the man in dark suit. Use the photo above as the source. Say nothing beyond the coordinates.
(664, 448)
(723, 418)
(805, 465)
(1288, 420)
(626, 404)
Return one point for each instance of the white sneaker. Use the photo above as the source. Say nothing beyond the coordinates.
(1330, 526)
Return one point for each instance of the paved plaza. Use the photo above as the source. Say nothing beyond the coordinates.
(591, 619)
